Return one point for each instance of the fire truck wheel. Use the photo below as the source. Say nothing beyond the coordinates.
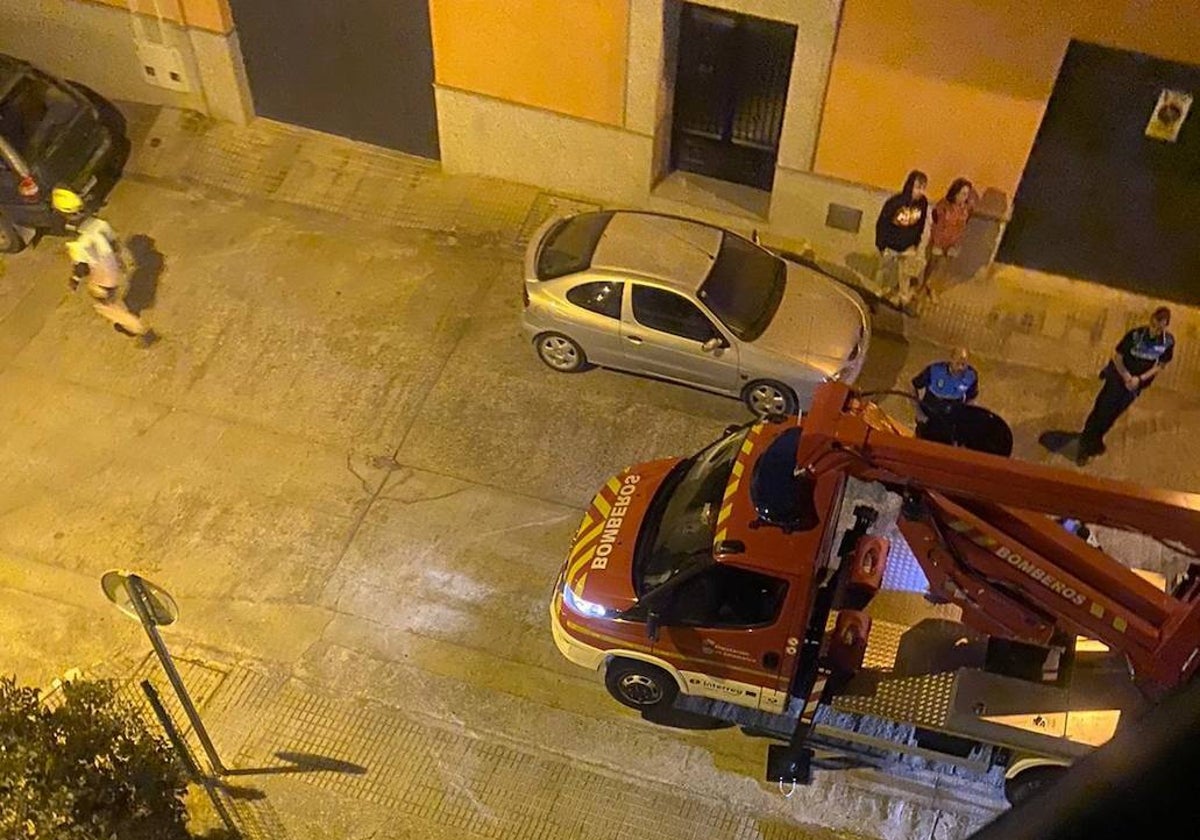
(1028, 782)
(560, 352)
(639, 685)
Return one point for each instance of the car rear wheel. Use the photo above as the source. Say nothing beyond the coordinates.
(560, 352)
(765, 397)
(640, 685)
(10, 239)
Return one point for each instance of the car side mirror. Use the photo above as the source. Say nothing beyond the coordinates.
(712, 345)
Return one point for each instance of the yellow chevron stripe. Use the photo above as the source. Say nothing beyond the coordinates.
(724, 514)
(579, 563)
(719, 536)
(738, 468)
(730, 489)
(578, 587)
(601, 504)
(747, 446)
(612, 484)
(587, 538)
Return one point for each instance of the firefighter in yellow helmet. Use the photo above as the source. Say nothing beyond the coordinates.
(99, 259)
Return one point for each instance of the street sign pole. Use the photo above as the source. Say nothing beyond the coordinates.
(141, 602)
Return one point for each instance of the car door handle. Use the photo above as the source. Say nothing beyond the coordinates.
(634, 339)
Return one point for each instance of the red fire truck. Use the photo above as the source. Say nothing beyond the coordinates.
(750, 583)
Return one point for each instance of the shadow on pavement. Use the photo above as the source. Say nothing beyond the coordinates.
(1060, 441)
(681, 719)
(302, 763)
(148, 267)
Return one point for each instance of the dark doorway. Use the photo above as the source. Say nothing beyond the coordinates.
(362, 70)
(730, 95)
(1099, 199)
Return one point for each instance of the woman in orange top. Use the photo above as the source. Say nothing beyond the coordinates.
(950, 217)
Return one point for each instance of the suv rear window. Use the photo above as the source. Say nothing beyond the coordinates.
(32, 114)
(568, 246)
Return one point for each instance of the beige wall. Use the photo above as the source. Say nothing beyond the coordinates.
(958, 87)
(566, 57)
(212, 15)
(95, 43)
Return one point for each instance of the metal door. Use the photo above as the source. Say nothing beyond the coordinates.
(1098, 198)
(362, 70)
(730, 95)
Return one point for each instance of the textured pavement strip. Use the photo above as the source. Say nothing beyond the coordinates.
(299, 166)
(381, 756)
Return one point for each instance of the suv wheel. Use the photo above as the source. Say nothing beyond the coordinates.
(10, 239)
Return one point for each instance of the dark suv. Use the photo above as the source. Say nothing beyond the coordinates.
(52, 133)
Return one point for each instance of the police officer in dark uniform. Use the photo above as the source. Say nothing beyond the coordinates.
(944, 388)
(1137, 359)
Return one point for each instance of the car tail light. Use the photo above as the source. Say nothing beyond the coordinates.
(525, 295)
(28, 187)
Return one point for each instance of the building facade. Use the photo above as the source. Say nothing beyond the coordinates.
(795, 117)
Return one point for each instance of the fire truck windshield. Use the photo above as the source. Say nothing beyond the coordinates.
(689, 499)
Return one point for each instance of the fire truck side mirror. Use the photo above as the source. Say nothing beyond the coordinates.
(652, 621)
(725, 548)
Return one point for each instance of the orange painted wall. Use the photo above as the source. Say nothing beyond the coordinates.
(562, 55)
(212, 15)
(958, 87)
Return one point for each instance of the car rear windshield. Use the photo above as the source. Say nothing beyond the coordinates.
(568, 246)
(685, 512)
(32, 114)
(744, 287)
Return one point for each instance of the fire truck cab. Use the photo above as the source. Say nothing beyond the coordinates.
(831, 582)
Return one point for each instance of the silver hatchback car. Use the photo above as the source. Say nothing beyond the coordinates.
(689, 302)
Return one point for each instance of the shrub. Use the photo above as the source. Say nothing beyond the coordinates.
(85, 768)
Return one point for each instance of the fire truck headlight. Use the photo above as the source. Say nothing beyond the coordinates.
(585, 608)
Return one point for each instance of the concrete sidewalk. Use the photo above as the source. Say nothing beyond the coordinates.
(1046, 322)
(308, 764)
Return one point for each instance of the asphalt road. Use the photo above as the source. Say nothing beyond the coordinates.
(347, 465)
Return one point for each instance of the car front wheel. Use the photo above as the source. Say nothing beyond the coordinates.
(560, 352)
(640, 685)
(765, 397)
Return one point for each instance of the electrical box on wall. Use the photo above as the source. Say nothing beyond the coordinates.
(163, 66)
(1169, 113)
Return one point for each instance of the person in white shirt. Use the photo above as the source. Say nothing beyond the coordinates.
(99, 259)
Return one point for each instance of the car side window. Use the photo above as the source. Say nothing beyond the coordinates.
(603, 298)
(726, 596)
(668, 312)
